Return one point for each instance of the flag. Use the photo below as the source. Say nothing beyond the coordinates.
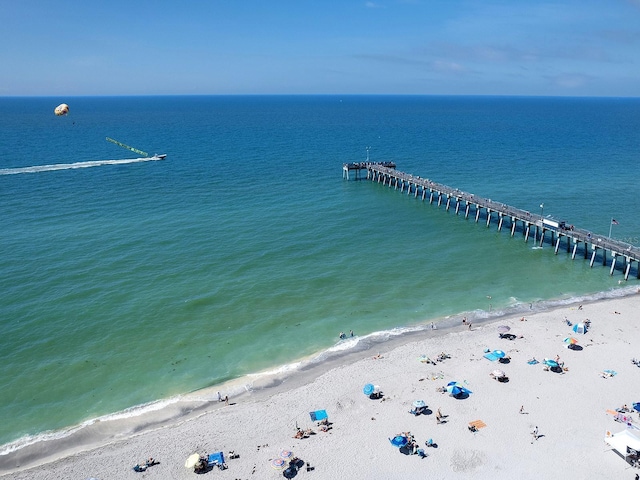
(614, 222)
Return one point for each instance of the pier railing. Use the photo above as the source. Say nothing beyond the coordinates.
(576, 238)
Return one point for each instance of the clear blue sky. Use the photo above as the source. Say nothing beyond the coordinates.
(470, 47)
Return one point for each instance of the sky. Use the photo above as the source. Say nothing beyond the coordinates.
(291, 47)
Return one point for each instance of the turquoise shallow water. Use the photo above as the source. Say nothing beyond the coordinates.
(245, 250)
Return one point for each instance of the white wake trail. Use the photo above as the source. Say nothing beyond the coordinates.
(69, 166)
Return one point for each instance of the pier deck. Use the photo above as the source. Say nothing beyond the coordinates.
(545, 228)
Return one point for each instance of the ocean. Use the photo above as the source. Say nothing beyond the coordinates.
(128, 284)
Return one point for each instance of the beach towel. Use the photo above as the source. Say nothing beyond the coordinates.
(478, 424)
(491, 356)
(622, 418)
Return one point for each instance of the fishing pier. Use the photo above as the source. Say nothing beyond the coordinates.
(611, 252)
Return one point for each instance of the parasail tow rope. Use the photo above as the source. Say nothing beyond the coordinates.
(127, 147)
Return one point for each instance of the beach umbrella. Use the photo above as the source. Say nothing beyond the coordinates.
(419, 404)
(550, 363)
(368, 389)
(192, 460)
(570, 341)
(498, 373)
(286, 454)
(503, 329)
(580, 328)
(399, 441)
(278, 463)
(499, 353)
(456, 388)
(318, 415)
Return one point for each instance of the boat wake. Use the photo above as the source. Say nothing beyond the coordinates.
(71, 166)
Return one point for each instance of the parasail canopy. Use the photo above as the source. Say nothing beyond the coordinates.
(61, 109)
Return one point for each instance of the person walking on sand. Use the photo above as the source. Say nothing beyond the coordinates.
(522, 409)
(535, 435)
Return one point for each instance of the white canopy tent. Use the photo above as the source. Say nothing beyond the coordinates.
(622, 442)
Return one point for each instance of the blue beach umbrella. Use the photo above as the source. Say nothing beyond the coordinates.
(318, 415)
(580, 328)
(456, 388)
(368, 389)
(399, 441)
(550, 363)
(499, 353)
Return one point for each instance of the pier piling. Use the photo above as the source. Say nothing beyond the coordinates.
(383, 172)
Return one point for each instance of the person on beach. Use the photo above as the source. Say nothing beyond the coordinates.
(522, 409)
(219, 397)
(535, 434)
(351, 333)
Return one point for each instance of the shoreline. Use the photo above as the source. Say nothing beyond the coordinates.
(201, 405)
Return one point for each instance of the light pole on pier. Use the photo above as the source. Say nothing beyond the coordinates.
(368, 148)
(541, 223)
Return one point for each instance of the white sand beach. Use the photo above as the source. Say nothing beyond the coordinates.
(568, 409)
